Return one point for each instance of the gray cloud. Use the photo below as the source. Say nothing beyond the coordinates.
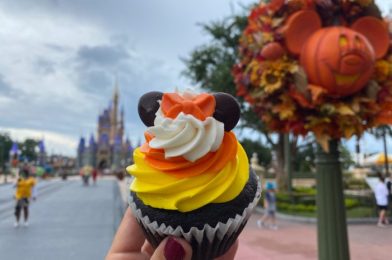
(5, 88)
(103, 55)
(56, 47)
(44, 66)
(60, 58)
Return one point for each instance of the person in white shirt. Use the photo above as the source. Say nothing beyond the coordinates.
(381, 194)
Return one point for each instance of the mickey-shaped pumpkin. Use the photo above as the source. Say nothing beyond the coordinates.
(338, 59)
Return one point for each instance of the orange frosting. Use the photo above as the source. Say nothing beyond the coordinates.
(201, 107)
(182, 168)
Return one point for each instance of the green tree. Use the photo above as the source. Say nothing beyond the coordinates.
(346, 160)
(28, 149)
(263, 152)
(304, 158)
(382, 132)
(5, 147)
(210, 67)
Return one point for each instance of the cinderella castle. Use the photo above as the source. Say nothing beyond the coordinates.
(109, 150)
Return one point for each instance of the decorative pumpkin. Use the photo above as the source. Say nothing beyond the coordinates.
(334, 78)
(339, 59)
(272, 51)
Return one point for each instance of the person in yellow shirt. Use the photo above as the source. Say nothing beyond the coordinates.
(24, 189)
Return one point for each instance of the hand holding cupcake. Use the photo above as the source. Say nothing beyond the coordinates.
(192, 177)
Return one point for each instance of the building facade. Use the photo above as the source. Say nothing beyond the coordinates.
(109, 149)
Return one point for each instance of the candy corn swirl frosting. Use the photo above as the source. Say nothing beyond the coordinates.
(190, 157)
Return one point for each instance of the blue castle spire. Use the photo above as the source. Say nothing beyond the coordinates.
(14, 148)
(41, 146)
(82, 144)
(92, 140)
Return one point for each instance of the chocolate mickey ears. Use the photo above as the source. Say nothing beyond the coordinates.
(227, 110)
(148, 106)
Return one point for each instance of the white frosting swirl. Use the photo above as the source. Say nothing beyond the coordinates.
(186, 136)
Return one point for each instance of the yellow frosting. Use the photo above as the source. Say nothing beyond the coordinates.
(161, 190)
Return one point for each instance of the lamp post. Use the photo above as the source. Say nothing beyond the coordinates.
(287, 157)
(331, 213)
(386, 163)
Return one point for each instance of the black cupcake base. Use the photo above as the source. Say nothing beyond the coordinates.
(209, 216)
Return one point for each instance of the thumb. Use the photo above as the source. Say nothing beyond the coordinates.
(173, 249)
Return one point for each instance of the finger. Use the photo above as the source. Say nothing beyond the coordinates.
(129, 237)
(147, 248)
(229, 255)
(173, 249)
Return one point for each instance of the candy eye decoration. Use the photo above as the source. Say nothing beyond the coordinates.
(343, 42)
(226, 108)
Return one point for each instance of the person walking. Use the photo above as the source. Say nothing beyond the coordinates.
(269, 207)
(24, 191)
(381, 194)
(94, 175)
(85, 173)
(388, 182)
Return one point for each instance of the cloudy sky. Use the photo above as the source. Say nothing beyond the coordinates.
(60, 58)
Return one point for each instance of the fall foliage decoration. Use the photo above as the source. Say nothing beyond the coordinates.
(320, 66)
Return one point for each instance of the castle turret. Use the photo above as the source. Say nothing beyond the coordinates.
(81, 149)
(91, 151)
(128, 152)
(41, 153)
(14, 155)
(113, 115)
(121, 126)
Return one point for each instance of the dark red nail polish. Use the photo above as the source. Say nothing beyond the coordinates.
(174, 250)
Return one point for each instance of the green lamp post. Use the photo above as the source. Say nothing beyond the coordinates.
(288, 163)
(331, 213)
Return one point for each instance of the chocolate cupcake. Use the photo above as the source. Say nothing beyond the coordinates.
(192, 176)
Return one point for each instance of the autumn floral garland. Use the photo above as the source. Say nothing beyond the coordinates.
(277, 87)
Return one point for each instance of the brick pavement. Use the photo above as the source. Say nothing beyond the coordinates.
(297, 241)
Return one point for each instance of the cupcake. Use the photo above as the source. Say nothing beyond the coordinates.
(192, 176)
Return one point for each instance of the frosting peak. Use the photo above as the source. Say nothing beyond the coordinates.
(186, 136)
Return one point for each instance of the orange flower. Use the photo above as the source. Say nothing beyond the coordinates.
(382, 70)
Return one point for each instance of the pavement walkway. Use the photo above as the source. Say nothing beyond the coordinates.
(295, 241)
(68, 222)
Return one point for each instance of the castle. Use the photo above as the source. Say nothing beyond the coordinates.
(109, 150)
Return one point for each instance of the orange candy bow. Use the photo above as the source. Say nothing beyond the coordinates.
(201, 107)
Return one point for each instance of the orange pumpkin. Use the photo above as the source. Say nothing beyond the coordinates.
(338, 59)
(272, 51)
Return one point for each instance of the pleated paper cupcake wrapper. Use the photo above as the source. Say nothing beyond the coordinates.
(207, 243)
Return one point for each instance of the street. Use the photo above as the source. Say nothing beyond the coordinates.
(67, 221)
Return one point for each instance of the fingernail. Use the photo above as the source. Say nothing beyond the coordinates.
(174, 250)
